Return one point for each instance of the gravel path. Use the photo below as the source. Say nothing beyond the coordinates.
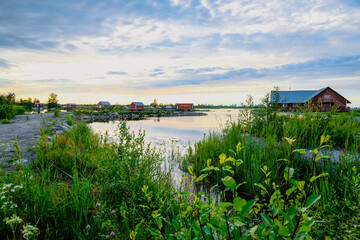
(26, 128)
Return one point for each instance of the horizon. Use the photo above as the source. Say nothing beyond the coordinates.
(196, 51)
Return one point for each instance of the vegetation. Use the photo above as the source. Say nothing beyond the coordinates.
(53, 101)
(266, 176)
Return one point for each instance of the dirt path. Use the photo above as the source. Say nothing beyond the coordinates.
(26, 128)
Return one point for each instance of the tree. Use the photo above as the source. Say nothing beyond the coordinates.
(154, 103)
(53, 101)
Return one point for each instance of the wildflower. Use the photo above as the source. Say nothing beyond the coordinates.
(107, 236)
(102, 211)
(113, 211)
(88, 226)
(112, 234)
(13, 219)
(98, 204)
(30, 231)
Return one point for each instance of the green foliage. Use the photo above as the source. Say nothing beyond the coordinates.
(57, 113)
(53, 101)
(6, 108)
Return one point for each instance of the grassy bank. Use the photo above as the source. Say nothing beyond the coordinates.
(84, 186)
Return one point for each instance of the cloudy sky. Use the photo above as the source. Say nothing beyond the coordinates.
(199, 51)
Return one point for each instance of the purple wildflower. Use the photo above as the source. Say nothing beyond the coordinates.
(98, 204)
(88, 226)
(113, 211)
(112, 234)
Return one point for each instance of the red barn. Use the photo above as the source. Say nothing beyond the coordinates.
(137, 106)
(323, 99)
(103, 104)
(185, 106)
(71, 105)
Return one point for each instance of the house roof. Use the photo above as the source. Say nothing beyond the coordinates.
(184, 104)
(301, 96)
(138, 103)
(105, 103)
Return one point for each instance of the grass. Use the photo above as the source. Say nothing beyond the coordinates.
(84, 186)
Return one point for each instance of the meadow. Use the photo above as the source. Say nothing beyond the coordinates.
(264, 177)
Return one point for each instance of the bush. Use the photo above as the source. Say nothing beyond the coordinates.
(6, 108)
(56, 113)
(18, 110)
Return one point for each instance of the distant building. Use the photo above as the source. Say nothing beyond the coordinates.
(168, 107)
(323, 99)
(39, 105)
(150, 108)
(71, 105)
(137, 106)
(185, 106)
(158, 107)
(103, 104)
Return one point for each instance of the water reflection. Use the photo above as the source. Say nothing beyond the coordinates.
(175, 134)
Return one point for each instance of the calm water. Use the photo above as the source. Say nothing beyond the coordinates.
(186, 130)
(175, 134)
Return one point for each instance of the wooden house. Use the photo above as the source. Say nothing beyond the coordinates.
(323, 99)
(71, 105)
(185, 106)
(137, 106)
(103, 104)
(39, 105)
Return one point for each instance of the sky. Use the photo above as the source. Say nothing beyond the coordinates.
(199, 51)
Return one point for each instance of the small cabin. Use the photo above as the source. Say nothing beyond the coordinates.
(71, 105)
(323, 99)
(103, 104)
(185, 106)
(39, 105)
(137, 106)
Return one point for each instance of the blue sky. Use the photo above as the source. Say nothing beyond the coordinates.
(197, 51)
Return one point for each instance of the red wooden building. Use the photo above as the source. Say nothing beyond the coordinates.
(103, 104)
(71, 105)
(137, 106)
(185, 106)
(323, 99)
(39, 105)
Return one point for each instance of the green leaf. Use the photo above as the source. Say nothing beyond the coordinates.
(186, 193)
(225, 205)
(229, 182)
(273, 196)
(290, 191)
(210, 168)
(261, 186)
(288, 173)
(154, 232)
(201, 177)
(283, 231)
(239, 203)
(310, 201)
(301, 151)
(176, 224)
(266, 219)
(247, 208)
(159, 222)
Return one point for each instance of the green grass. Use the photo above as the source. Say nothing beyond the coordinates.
(84, 186)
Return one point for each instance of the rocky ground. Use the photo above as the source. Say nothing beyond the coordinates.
(26, 128)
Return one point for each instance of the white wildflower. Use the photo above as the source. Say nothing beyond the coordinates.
(30, 231)
(12, 220)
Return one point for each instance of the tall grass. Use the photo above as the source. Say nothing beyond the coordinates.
(74, 172)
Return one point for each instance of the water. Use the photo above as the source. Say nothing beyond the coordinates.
(186, 130)
(175, 134)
